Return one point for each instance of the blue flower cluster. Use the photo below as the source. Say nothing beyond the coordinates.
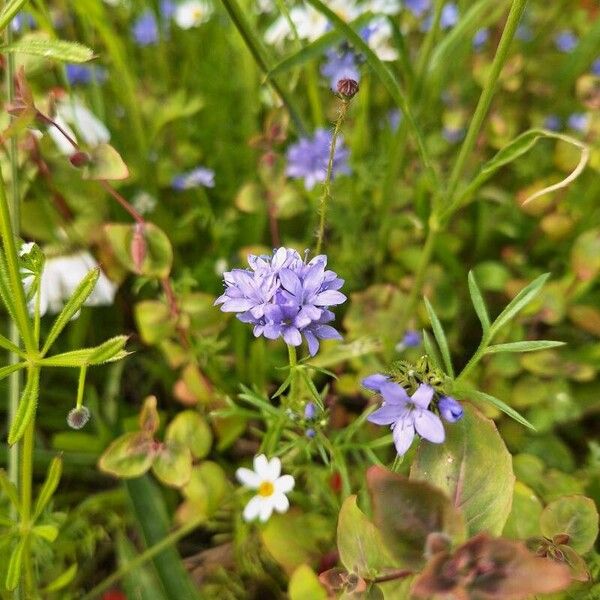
(284, 296)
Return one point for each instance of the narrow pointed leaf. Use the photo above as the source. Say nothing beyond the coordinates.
(532, 346)
(520, 301)
(27, 406)
(15, 563)
(9, 489)
(57, 49)
(431, 350)
(75, 302)
(6, 371)
(440, 338)
(8, 345)
(478, 303)
(9, 10)
(49, 487)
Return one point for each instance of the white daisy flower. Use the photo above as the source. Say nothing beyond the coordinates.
(62, 274)
(192, 13)
(270, 485)
(72, 114)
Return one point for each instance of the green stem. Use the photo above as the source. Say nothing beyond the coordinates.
(477, 356)
(326, 194)
(514, 16)
(26, 501)
(144, 557)
(293, 358)
(81, 386)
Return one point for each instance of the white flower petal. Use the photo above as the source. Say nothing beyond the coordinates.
(274, 469)
(248, 478)
(261, 466)
(281, 503)
(284, 484)
(266, 508)
(253, 508)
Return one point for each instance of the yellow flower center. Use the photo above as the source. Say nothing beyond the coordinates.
(266, 489)
(197, 13)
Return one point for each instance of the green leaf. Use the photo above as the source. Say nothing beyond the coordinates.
(74, 303)
(109, 351)
(10, 490)
(6, 371)
(360, 543)
(8, 345)
(46, 532)
(15, 564)
(63, 580)
(173, 464)
(9, 10)
(27, 406)
(431, 350)
(532, 346)
(317, 48)
(191, 430)
(158, 251)
(440, 338)
(304, 584)
(105, 163)
(406, 512)
(478, 303)
(576, 516)
(128, 456)
(466, 393)
(524, 518)
(37, 45)
(154, 321)
(206, 489)
(474, 468)
(49, 487)
(522, 299)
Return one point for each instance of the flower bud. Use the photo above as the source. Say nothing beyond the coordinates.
(78, 417)
(79, 159)
(347, 88)
(310, 410)
(450, 409)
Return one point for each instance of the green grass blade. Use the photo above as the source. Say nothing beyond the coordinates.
(440, 338)
(531, 346)
(49, 487)
(27, 406)
(9, 10)
(56, 49)
(478, 303)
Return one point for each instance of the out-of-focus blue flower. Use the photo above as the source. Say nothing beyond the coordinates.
(411, 339)
(310, 433)
(198, 177)
(85, 74)
(406, 415)
(448, 18)
(167, 9)
(283, 296)
(596, 67)
(145, 29)
(524, 33)
(418, 7)
(308, 158)
(481, 38)
(21, 21)
(310, 410)
(565, 41)
(450, 409)
(553, 123)
(453, 134)
(340, 65)
(394, 119)
(579, 122)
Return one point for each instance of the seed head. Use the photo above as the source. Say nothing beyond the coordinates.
(347, 88)
(78, 417)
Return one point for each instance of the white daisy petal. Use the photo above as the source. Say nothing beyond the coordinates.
(253, 508)
(261, 466)
(266, 508)
(248, 477)
(274, 469)
(284, 484)
(281, 503)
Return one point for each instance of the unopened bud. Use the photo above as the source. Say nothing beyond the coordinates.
(347, 88)
(78, 417)
(79, 159)
(138, 246)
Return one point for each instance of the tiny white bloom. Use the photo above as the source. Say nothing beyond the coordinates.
(380, 39)
(270, 485)
(73, 114)
(62, 274)
(192, 13)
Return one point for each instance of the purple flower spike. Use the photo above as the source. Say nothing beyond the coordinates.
(284, 296)
(450, 409)
(307, 159)
(408, 415)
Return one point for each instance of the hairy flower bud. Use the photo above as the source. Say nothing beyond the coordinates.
(78, 417)
(450, 409)
(347, 88)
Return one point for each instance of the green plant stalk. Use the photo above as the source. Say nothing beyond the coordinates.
(144, 557)
(326, 194)
(26, 502)
(483, 105)
(81, 386)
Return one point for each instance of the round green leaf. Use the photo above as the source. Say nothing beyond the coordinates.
(173, 465)
(576, 516)
(154, 321)
(474, 468)
(191, 430)
(524, 518)
(128, 456)
(207, 487)
(305, 584)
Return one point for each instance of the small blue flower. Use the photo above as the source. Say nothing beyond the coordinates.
(340, 65)
(394, 119)
(307, 159)
(579, 122)
(406, 415)
(565, 41)
(448, 18)
(596, 67)
(22, 20)
(310, 411)
(453, 135)
(198, 177)
(310, 433)
(85, 74)
(167, 8)
(553, 123)
(411, 339)
(145, 29)
(418, 7)
(481, 37)
(450, 409)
